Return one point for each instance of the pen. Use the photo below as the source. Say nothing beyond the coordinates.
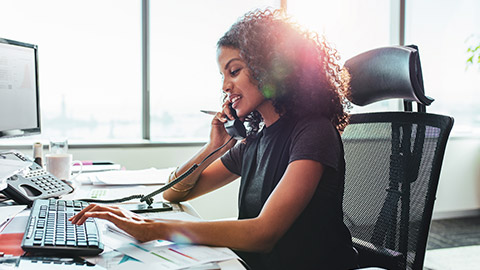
(88, 162)
(209, 112)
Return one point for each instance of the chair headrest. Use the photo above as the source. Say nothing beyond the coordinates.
(387, 73)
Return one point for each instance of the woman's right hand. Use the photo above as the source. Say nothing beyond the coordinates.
(218, 137)
(218, 134)
(137, 226)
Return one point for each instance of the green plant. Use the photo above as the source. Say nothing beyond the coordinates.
(473, 51)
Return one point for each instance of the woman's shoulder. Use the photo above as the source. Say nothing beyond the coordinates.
(316, 138)
(314, 123)
(316, 132)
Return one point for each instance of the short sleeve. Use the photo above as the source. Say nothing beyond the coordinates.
(316, 139)
(232, 160)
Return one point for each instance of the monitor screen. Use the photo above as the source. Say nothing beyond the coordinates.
(19, 96)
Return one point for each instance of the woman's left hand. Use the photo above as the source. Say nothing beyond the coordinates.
(137, 226)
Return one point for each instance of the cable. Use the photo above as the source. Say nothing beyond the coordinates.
(148, 198)
(138, 196)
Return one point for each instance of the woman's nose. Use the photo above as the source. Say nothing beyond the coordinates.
(227, 86)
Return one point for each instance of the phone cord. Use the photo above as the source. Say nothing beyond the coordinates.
(148, 199)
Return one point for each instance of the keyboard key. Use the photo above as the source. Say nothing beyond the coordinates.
(40, 224)
(71, 243)
(60, 243)
(30, 227)
(48, 242)
(82, 243)
(93, 243)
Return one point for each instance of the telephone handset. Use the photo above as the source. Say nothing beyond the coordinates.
(32, 183)
(235, 127)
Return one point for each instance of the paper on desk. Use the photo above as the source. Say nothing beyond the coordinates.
(176, 256)
(110, 259)
(160, 254)
(8, 212)
(96, 168)
(18, 223)
(10, 167)
(172, 216)
(127, 177)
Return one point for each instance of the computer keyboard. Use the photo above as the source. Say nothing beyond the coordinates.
(49, 231)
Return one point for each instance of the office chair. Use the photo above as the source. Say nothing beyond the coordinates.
(393, 160)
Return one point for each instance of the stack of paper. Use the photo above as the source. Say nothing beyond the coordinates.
(159, 254)
(150, 176)
(96, 167)
(10, 167)
(173, 256)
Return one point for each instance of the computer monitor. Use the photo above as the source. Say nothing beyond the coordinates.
(19, 96)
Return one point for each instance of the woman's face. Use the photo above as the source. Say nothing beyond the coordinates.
(241, 92)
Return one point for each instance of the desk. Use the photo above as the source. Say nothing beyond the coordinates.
(83, 191)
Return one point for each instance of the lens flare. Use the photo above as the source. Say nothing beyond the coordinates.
(181, 238)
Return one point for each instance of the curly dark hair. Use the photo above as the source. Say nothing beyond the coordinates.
(295, 68)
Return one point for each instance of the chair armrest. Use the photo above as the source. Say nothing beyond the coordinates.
(370, 255)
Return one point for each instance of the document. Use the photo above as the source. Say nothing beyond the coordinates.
(96, 167)
(159, 254)
(8, 212)
(175, 256)
(8, 168)
(151, 176)
(11, 232)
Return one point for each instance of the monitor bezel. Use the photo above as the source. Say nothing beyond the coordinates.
(11, 133)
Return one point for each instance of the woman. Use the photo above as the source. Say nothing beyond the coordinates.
(285, 83)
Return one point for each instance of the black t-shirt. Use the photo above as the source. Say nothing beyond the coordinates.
(318, 239)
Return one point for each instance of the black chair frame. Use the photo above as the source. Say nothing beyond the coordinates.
(395, 73)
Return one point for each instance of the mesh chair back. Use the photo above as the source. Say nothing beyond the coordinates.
(393, 162)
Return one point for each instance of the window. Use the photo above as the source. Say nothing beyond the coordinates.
(90, 57)
(443, 35)
(89, 64)
(184, 77)
(351, 28)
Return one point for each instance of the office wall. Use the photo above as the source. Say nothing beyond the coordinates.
(459, 188)
(458, 193)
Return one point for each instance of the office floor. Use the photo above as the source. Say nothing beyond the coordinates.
(453, 244)
(456, 232)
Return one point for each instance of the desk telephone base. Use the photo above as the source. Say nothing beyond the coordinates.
(33, 183)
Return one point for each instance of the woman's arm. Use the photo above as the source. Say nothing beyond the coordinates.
(205, 177)
(285, 204)
(259, 234)
(211, 175)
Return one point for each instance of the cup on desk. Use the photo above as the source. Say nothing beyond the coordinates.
(58, 145)
(60, 165)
